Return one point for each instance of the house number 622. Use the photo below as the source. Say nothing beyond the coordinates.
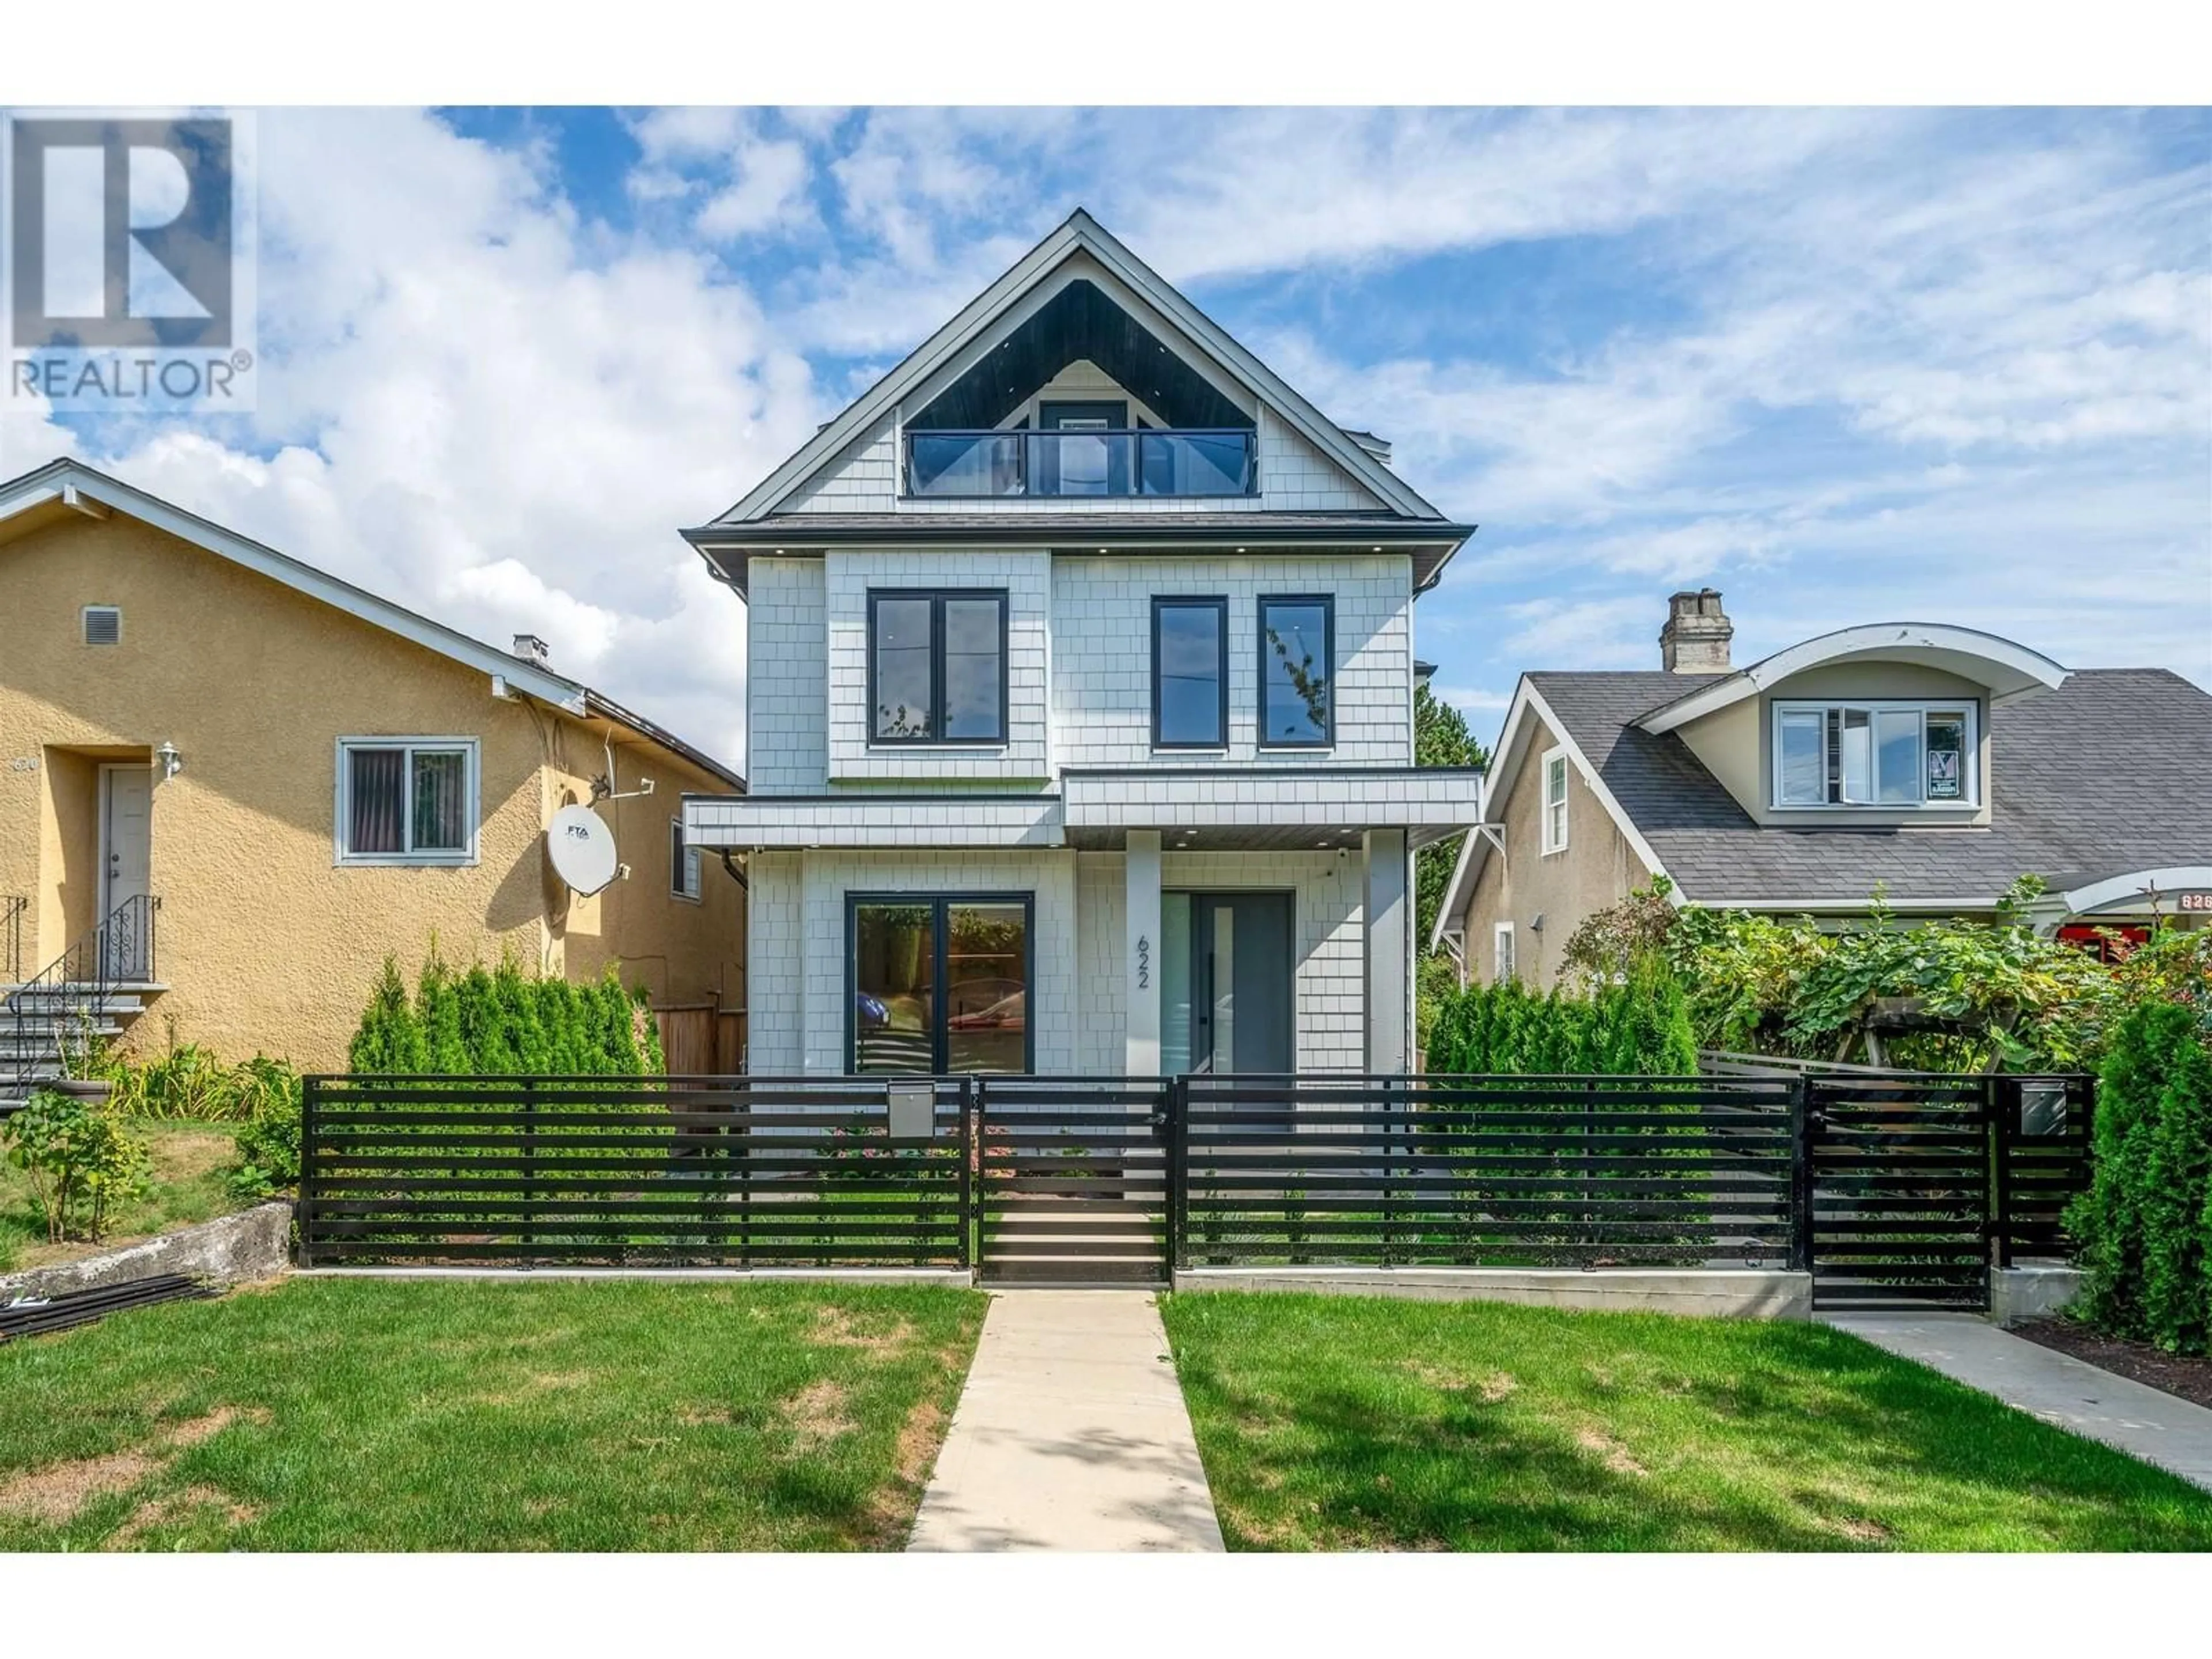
(1144, 963)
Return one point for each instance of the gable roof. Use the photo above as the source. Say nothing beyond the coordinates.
(1078, 233)
(2106, 773)
(64, 485)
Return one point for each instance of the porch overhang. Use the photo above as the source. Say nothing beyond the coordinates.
(802, 823)
(1271, 809)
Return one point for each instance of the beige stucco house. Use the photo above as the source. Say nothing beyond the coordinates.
(1938, 761)
(262, 782)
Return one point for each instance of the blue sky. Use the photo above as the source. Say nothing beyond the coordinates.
(1847, 366)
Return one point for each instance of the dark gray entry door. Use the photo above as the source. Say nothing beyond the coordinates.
(1242, 978)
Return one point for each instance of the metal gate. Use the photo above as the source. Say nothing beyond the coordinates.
(1072, 1180)
(1900, 1178)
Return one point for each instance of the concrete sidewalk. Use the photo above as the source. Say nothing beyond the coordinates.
(2056, 1387)
(1070, 1434)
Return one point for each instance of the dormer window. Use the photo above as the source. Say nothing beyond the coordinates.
(1875, 753)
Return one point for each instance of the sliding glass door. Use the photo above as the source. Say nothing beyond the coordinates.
(939, 984)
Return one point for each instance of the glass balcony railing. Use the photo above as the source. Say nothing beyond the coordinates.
(1074, 463)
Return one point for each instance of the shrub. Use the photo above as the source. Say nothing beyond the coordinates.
(268, 1152)
(2142, 1225)
(1640, 1025)
(78, 1160)
(480, 1024)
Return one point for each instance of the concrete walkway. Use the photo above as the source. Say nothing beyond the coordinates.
(1070, 1434)
(2056, 1387)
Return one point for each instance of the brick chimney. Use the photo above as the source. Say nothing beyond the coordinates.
(1695, 640)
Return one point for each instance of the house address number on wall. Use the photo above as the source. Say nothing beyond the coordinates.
(2201, 903)
(1144, 963)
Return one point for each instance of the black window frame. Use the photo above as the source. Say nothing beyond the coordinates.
(1328, 603)
(1220, 602)
(939, 1037)
(937, 597)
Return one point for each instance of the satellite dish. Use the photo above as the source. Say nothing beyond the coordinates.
(582, 849)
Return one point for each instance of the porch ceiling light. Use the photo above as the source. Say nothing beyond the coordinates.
(168, 759)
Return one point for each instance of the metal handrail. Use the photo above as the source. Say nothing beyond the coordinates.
(78, 985)
(12, 907)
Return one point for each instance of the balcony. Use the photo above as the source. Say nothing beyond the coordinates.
(1065, 464)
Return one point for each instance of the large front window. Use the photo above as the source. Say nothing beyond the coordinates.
(1880, 754)
(940, 985)
(406, 801)
(937, 667)
(1190, 673)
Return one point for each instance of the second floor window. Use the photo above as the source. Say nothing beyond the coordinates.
(937, 666)
(1888, 754)
(1190, 673)
(1555, 801)
(1297, 652)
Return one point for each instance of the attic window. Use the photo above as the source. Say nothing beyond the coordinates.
(1893, 755)
(103, 624)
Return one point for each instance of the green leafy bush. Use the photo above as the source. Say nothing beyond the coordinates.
(268, 1153)
(500, 1022)
(2145, 1223)
(191, 1083)
(78, 1160)
(1637, 1026)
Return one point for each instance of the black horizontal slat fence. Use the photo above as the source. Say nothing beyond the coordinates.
(1519, 1171)
(1890, 1189)
(647, 1171)
(2042, 1131)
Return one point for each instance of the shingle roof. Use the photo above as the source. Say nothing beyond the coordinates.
(2113, 771)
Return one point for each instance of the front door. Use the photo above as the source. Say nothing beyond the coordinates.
(126, 825)
(1227, 987)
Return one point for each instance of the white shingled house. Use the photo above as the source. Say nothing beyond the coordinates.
(1081, 705)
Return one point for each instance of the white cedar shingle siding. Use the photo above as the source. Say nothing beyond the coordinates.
(787, 747)
(849, 578)
(1101, 690)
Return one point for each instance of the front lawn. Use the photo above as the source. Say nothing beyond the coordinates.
(1349, 1423)
(358, 1414)
(186, 1185)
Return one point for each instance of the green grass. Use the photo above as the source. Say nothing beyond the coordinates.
(1347, 1423)
(354, 1414)
(187, 1187)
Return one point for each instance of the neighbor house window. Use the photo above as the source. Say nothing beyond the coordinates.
(1555, 800)
(407, 800)
(1298, 689)
(1888, 754)
(937, 666)
(938, 985)
(1190, 673)
(1501, 953)
(683, 865)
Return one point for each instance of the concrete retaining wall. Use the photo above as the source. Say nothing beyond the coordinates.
(233, 1250)
(1731, 1293)
(2041, 1292)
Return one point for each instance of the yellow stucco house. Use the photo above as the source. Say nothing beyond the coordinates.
(236, 784)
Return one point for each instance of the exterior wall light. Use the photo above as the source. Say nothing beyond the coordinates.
(169, 760)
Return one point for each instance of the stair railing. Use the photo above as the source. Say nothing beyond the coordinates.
(12, 907)
(75, 989)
